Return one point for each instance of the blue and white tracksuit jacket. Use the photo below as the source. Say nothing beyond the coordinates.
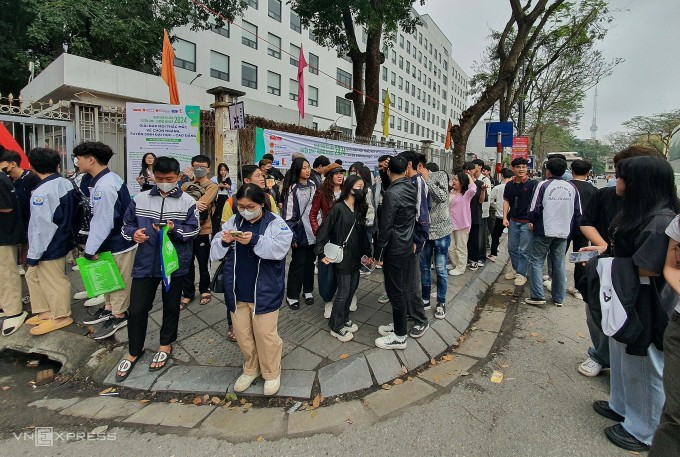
(297, 205)
(271, 246)
(109, 198)
(150, 208)
(50, 234)
(555, 209)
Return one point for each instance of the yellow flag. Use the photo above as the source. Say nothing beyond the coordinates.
(386, 115)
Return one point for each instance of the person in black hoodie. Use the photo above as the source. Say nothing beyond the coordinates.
(345, 225)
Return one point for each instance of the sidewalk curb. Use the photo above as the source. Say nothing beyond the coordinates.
(396, 396)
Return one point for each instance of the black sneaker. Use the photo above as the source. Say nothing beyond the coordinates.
(101, 315)
(473, 266)
(426, 305)
(419, 330)
(111, 326)
(309, 300)
(440, 311)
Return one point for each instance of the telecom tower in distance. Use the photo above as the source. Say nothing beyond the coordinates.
(593, 126)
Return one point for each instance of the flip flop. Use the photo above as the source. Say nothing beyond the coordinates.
(35, 320)
(12, 324)
(50, 326)
(231, 336)
(125, 366)
(205, 298)
(184, 303)
(161, 357)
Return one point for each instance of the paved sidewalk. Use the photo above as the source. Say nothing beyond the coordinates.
(313, 361)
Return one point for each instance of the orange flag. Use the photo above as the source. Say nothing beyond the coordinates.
(168, 69)
(447, 144)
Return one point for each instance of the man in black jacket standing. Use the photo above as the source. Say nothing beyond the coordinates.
(396, 249)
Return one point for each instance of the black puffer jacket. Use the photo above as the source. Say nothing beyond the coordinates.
(397, 220)
(335, 228)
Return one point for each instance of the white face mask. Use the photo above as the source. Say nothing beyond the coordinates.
(166, 186)
(250, 215)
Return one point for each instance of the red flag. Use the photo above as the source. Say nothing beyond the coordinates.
(168, 69)
(302, 63)
(9, 143)
(447, 144)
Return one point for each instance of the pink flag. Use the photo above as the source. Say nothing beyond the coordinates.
(302, 63)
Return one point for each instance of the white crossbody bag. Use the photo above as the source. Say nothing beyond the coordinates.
(334, 252)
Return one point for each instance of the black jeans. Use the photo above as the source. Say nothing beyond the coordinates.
(473, 243)
(578, 242)
(202, 254)
(142, 294)
(397, 277)
(483, 238)
(496, 235)
(301, 272)
(347, 286)
(413, 289)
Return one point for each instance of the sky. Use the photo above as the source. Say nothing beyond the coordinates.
(645, 33)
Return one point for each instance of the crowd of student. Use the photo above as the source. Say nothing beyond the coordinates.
(407, 219)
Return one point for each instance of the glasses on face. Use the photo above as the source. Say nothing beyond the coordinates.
(521, 167)
(252, 207)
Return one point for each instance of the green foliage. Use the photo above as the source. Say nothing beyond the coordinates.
(128, 33)
(657, 131)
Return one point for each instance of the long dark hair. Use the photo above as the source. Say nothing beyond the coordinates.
(464, 180)
(360, 207)
(355, 167)
(254, 193)
(366, 175)
(219, 168)
(142, 171)
(650, 187)
(294, 175)
(327, 187)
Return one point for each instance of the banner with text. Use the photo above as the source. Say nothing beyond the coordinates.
(282, 145)
(164, 130)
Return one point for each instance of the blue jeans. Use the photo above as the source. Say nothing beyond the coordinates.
(440, 249)
(519, 246)
(554, 249)
(326, 281)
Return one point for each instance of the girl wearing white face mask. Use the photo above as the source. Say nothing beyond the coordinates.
(254, 243)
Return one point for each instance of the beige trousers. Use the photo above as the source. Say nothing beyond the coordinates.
(49, 288)
(120, 299)
(10, 281)
(458, 249)
(259, 340)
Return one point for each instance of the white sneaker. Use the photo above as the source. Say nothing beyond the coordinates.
(575, 293)
(520, 280)
(548, 285)
(351, 327)
(510, 276)
(80, 295)
(343, 335)
(449, 266)
(353, 305)
(546, 277)
(391, 341)
(456, 272)
(590, 368)
(327, 310)
(244, 381)
(271, 386)
(386, 329)
(22, 272)
(96, 301)
(383, 299)
(75, 268)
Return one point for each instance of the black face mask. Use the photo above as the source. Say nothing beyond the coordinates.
(359, 194)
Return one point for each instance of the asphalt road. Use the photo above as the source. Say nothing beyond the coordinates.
(542, 408)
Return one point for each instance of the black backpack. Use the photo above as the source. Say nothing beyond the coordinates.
(82, 214)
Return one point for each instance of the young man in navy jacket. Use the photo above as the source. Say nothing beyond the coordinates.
(109, 198)
(165, 204)
(50, 239)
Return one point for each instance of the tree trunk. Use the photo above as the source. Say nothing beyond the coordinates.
(374, 58)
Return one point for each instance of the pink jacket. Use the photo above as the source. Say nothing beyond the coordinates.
(460, 208)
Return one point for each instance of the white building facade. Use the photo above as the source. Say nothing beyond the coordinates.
(258, 54)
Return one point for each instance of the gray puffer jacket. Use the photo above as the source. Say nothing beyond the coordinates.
(440, 218)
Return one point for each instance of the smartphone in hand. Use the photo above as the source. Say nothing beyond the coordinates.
(583, 256)
(236, 233)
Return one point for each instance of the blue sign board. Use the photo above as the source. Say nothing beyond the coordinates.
(532, 162)
(492, 129)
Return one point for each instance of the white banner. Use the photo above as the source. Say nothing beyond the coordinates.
(164, 130)
(282, 145)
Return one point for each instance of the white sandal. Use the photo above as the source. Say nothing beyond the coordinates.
(12, 324)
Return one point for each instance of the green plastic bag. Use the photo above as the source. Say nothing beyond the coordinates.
(100, 276)
(169, 259)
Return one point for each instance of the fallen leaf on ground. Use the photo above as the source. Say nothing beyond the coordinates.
(505, 365)
(100, 429)
(344, 356)
(144, 402)
(197, 401)
(398, 381)
(349, 422)
(231, 396)
(242, 401)
(497, 377)
(211, 340)
(215, 400)
(248, 405)
(534, 334)
(465, 373)
(106, 391)
(437, 379)
(433, 362)
(447, 358)
(206, 398)
(473, 328)
(315, 413)
(386, 386)
(317, 401)
(227, 404)
(174, 400)
(580, 335)
(260, 438)
(462, 338)
(404, 369)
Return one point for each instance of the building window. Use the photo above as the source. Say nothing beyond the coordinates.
(399, 103)
(252, 3)
(295, 22)
(343, 106)
(399, 123)
(273, 83)
(293, 89)
(420, 57)
(408, 87)
(344, 78)
(393, 78)
(311, 34)
(313, 98)
(275, 10)
(224, 30)
(394, 58)
(313, 64)
(248, 75)
(406, 106)
(391, 122)
(401, 83)
(294, 55)
(405, 126)
(249, 37)
(401, 62)
(384, 73)
(219, 66)
(274, 46)
(408, 67)
(185, 54)
(401, 41)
